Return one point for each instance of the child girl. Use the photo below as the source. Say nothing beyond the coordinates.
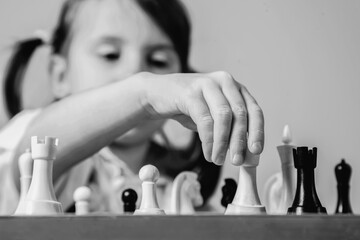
(118, 69)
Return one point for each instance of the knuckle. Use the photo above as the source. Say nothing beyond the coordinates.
(224, 76)
(223, 112)
(192, 92)
(207, 139)
(202, 81)
(206, 119)
(240, 111)
(256, 109)
(259, 114)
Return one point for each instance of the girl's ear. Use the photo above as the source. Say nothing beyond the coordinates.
(59, 83)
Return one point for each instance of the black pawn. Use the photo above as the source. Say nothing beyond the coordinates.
(129, 198)
(343, 173)
(228, 191)
(306, 199)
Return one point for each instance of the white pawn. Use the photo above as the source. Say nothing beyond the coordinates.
(280, 187)
(40, 199)
(185, 194)
(246, 199)
(149, 174)
(82, 197)
(25, 167)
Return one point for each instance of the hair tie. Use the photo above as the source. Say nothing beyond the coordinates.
(43, 35)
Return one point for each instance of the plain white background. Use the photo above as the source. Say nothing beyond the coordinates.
(300, 59)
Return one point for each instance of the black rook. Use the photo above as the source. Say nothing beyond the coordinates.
(306, 199)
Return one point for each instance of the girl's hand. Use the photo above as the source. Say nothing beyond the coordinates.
(222, 110)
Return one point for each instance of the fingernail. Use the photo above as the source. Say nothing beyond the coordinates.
(256, 147)
(237, 160)
(220, 159)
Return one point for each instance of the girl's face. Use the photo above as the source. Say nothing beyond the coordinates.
(112, 40)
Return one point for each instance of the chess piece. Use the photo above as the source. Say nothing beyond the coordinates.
(228, 191)
(343, 174)
(25, 167)
(185, 194)
(149, 175)
(40, 199)
(82, 198)
(306, 199)
(246, 200)
(129, 198)
(280, 187)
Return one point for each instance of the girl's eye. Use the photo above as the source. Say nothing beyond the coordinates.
(159, 60)
(111, 57)
(109, 53)
(158, 64)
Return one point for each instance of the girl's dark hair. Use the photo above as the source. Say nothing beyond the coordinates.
(15, 72)
(170, 15)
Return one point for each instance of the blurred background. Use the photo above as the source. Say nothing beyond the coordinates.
(300, 59)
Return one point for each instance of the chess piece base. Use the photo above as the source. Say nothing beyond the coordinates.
(41, 208)
(233, 209)
(149, 211)
(20, 208)
(299, 210)
(82, 208)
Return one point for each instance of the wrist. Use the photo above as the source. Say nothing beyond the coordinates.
(142, 82)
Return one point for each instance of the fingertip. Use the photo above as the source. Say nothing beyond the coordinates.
(218, 163)
(207, 157)
(220, 159)
(237, 160)
(207, 151)
(256, 148)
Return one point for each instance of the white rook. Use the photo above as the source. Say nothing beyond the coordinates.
(40, 199)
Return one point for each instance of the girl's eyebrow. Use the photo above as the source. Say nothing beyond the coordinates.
(108, 39)
(113, 39)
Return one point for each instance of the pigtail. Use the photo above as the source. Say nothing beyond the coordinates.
(15, 72)
(23, 51)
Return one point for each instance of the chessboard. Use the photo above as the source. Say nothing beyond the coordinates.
(106, 227)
